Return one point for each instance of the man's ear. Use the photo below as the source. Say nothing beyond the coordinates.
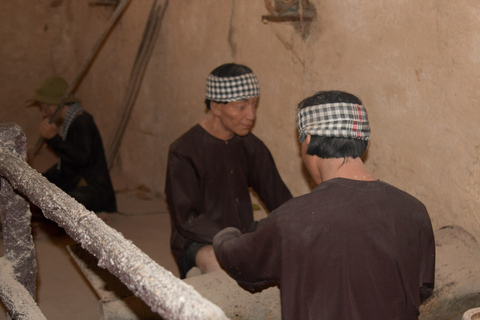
(307, 139)
(305, 143)
(215, 108)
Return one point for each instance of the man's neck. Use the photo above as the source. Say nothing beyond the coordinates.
(213, 125)
(347, 168)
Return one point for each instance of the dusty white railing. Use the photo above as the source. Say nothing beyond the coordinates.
(166, 294)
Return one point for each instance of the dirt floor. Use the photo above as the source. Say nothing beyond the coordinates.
(63, 292)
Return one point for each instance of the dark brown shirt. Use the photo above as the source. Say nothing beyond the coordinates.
(83, 157)
(347, 250)
(208, 181)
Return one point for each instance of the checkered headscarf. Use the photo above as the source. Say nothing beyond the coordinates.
(341, 120)
(228, 89)
(72, 112)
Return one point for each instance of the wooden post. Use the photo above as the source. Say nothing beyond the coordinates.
(18, 269)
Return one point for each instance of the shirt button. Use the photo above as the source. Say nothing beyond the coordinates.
(231, 171)
(236, 199)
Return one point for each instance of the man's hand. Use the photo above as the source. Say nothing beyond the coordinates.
(48, 130)
(225, 235)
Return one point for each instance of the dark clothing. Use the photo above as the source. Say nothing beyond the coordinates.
(190, 254)
(347, 250)
(82, 157)
(207, 186)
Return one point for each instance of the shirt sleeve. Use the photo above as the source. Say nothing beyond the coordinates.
(427, 272)
(76, 149)
(185, 200)
(252, 259)
(265, 178)
(52, 174)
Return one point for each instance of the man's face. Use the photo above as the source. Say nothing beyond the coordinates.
(46, 110)
(236, 117)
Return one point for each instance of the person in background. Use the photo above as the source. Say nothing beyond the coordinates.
(81, 170)
(212, 166)
(355, 247)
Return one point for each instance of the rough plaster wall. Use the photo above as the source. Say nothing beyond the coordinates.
(415, 67)
(191, 44)
(36, 42)
(104, 88)
(414, 64)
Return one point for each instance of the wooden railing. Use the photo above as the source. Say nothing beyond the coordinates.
(164, 293)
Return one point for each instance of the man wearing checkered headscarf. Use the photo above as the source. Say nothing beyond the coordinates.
(355, 247)
(212, 166)
(81, 170)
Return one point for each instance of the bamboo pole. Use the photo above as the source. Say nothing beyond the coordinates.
(136, 76)
(16, 298)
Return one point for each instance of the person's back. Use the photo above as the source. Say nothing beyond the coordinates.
(353, 248)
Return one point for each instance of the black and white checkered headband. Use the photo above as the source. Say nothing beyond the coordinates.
(228, 89)
(341, 120)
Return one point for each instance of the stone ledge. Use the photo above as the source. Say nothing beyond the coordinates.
(457, 281)
(457, 287)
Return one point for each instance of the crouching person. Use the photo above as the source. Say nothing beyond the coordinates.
(355, 247)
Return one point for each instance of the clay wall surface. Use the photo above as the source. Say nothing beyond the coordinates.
(414, 65)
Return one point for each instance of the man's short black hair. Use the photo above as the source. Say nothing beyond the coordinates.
(333, 147)
(228, 70)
